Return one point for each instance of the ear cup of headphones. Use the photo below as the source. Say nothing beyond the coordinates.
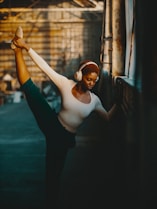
(97, 79)
(78, 75)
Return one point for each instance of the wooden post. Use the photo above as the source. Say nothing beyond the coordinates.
(118, 29)
(107, 38)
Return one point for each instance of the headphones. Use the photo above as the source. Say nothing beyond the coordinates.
(78, 74)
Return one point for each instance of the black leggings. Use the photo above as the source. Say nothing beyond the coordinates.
(58, 140)
(46, 117)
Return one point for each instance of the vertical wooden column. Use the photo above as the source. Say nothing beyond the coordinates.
(105, 83)
(118, 29)
(107, 38)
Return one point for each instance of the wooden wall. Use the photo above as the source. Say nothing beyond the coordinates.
(62, 37)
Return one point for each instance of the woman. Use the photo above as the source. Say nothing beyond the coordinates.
(77, 103)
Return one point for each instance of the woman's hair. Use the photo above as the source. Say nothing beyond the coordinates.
(86, 67)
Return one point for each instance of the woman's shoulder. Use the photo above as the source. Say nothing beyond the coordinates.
(95, 97)
(66, 83)
(71, 82)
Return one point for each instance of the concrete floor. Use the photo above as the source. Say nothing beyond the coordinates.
(88, 179)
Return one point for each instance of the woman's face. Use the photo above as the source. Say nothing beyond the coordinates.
(89, 80)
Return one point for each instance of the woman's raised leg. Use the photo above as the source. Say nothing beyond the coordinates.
(22, 73)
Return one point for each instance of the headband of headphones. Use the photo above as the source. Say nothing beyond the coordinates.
(87, 63)
(78, 74)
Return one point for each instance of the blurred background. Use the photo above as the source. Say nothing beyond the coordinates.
(113, 165)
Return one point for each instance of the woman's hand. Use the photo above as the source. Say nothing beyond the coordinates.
(20, 43)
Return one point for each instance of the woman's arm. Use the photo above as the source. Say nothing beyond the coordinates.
(112, 111)
(107, 115)
(40, 62)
